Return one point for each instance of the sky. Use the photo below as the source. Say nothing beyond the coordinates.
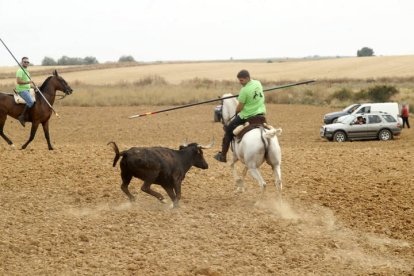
(187, 30)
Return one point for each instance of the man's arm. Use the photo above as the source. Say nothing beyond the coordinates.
(20, 81)
(239, 107)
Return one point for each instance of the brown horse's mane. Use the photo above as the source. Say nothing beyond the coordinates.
(44, 84)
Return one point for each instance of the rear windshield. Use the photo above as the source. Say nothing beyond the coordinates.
(389, 118)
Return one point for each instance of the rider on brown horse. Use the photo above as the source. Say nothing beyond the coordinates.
(23, 87)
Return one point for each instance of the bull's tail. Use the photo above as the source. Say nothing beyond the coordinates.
(117, 153)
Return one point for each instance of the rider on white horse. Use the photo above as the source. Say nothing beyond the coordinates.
(251, 103)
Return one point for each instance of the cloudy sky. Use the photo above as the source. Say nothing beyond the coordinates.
(165, 30)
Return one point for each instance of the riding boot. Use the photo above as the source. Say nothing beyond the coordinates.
(21, 116)
(221, 156)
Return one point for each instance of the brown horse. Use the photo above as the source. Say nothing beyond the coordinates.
(39, 113)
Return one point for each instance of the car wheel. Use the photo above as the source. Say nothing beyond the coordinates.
(339, 136)
(385, 135)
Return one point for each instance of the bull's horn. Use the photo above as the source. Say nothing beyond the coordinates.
(185, 143)
(207, 146)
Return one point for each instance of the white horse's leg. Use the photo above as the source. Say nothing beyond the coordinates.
(256, 175)
(278, 178)
(278, 183)
(239, 180)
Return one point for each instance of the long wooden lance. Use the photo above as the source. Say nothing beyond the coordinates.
(215, 100)
(27, 75)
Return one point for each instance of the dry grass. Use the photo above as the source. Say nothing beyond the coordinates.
(182, 83)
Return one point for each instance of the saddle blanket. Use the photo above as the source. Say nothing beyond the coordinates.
(20, 100)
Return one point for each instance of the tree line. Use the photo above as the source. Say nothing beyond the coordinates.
(65, 60)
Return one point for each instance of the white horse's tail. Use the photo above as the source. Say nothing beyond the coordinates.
(272, 132)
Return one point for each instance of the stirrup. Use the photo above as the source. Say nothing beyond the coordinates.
(219, 157)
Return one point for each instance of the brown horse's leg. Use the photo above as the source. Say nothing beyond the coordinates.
(35, 125)
(46, 131)
(2, 121)
(5, 137)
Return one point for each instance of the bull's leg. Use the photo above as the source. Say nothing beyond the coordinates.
(126, 179)
(5, 137)
(172, 195)
(46, 131)
(33, 130)
(146, 187)
(177, 189)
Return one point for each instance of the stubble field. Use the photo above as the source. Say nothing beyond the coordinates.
(347, 208)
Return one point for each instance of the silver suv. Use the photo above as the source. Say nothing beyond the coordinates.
(374, 125)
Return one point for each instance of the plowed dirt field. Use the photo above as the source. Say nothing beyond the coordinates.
(347, 208)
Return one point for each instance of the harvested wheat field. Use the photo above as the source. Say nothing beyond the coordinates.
(347, 208)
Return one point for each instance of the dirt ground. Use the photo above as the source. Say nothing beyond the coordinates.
(347, 208)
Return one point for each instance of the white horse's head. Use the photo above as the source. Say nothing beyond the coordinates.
(229, 108)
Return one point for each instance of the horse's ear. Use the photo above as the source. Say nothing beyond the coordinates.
(55, 73)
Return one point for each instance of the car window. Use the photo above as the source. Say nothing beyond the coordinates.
(389, 118)
(365, 109)
(374, 119)
(351, 108)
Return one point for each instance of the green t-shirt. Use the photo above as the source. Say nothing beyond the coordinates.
(20, 74)
(251, 95)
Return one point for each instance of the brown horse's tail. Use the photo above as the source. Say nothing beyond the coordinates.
(117, 153)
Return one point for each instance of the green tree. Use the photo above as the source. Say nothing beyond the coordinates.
(365, 52)
(65, 60)
(48, 61)
(343, 94)
(126, 59)
(382, 93)
(90, 60)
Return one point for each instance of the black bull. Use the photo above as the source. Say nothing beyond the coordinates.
(159, 165)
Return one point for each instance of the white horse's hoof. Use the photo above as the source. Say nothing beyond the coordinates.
(240, 190)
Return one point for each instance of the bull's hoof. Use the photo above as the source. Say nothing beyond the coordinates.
(163, 201)
(13, 146)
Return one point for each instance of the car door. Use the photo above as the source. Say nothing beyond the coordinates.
(357, 131)
(374, 123)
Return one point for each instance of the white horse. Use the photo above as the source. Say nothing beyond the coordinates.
(256, 146)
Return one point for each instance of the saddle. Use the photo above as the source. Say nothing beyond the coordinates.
(251, 123)
(20, 100)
